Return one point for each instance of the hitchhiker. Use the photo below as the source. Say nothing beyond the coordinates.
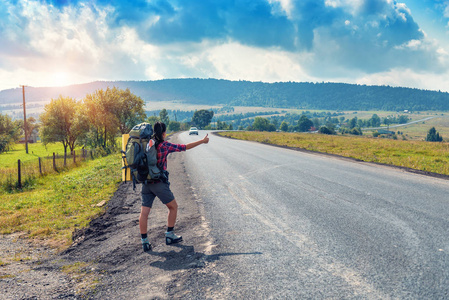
(161, 188)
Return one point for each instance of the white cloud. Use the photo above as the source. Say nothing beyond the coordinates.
(286, 5)
(356, 40)
(403, 77)
(446, 9)
(235, 61)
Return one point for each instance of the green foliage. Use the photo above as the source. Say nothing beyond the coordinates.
(353, 123)
(202, 117)
(262, 124)
(163, 116)
(60, 203)
(108, 113)
(326, 130)
(374, 121)
(304, 123)
(353, 131)
(9, 132)
(356, 131)
(333, 96)
(62, 121)
(153, 120)
(433, 136)
(284, 126)
(130, 109)
(174, 126)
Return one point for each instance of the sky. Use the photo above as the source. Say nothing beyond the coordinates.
(373, 42)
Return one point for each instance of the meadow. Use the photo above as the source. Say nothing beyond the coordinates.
(56, 204)
(35, 150)
(418, 155)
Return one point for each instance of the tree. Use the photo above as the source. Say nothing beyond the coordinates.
(316, 123)
(326, 130)
(304, 123)
(174, 126)
(9, 132)
(62, 121)
(356, 131)
(202, 117)
(101, 108)
(353, 123)
(374, 121)
(403, 119)
(130, 109)
(433, 136)
(153, 119)
(262, 124)
(163, 115)
(284, 126)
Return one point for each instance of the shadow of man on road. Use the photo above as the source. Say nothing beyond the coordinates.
(187, 258)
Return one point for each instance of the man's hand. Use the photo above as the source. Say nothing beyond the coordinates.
(206, 139)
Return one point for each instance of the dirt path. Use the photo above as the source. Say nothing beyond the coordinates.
(106, 260)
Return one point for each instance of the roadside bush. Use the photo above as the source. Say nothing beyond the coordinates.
(326, 130)
(433, 136)
(356, 131)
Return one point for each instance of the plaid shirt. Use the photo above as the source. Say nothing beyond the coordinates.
(164, 149)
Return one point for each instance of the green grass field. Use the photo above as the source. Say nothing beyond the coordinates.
(419, 155)
(59, 203)
(35, 150)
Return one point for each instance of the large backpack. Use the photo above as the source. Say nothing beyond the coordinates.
(140, 156)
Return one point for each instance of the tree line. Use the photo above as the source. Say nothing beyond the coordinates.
(304, 95)
(93, 122)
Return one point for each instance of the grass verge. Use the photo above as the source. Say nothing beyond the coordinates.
(418, 155)
(35, 150)
(59, 203)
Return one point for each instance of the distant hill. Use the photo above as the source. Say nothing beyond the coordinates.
(330, 96)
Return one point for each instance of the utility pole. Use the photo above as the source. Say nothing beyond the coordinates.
(25, 119)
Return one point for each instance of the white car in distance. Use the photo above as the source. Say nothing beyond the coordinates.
(193, 130)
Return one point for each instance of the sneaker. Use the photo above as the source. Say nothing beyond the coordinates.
(172, 238)
(146, 245)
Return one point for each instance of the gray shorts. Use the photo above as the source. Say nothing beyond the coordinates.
(160, 190)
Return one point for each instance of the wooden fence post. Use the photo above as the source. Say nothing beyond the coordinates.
(40, 166)
(19, 174)
(54, 161)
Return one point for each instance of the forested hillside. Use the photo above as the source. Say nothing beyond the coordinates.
(329, 96)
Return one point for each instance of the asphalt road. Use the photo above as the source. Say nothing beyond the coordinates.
(287, 224)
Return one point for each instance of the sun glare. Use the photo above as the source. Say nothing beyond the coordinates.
(59, 79)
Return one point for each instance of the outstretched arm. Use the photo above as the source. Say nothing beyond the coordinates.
(205, 140)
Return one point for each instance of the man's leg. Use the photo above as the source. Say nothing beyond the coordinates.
(143, 219)
(170, 236)
(172, 213)
(143, 224)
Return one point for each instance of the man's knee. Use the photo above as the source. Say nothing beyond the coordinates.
(172, 205)
(145, 211)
